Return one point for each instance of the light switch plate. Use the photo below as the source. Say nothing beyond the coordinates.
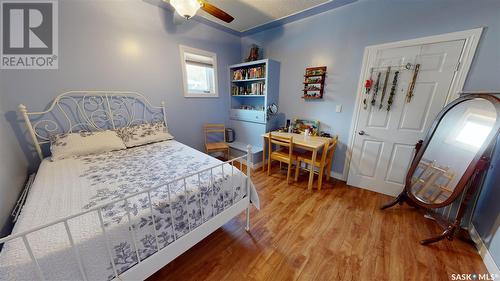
(338, 108)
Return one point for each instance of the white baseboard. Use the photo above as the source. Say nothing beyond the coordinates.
(488, 260)
(339, 176)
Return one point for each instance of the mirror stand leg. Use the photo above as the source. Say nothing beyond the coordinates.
(448, 233)
(399, 200)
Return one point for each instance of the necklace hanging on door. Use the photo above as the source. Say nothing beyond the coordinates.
(393, 90)
(368, 87)
(411, 89)
(387, 73)
(375, 89)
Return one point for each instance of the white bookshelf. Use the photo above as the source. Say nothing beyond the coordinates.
(248, 110)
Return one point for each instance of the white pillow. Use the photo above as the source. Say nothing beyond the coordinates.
(136, 135)
(78, 144)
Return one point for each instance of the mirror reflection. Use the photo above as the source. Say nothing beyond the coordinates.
(459, 136)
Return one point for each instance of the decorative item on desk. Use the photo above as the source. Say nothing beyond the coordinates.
(300, 125)
(325, 134)
(288, 125)
(307, 132)
(314, 82)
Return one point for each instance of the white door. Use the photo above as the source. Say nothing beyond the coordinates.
(385, 140)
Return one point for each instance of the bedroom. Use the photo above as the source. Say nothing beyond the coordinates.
(134, 46)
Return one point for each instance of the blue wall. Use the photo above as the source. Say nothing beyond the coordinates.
(12, 170)
(337, 39)
(112, 45)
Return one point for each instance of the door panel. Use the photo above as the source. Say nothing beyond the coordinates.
(415, 114)
(378, 118)
(381, 156)
(370, 156)
(396, 173)
(432, 62)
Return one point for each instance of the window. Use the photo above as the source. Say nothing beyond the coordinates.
(199, 71)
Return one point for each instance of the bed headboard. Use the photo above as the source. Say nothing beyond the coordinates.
(84, 111)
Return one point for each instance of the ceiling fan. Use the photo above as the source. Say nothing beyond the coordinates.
(188, 8)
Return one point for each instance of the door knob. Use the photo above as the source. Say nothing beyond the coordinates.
(361, 133)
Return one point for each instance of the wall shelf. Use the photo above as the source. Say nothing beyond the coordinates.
(314, 75)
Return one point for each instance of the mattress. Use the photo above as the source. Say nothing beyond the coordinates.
(70, 186)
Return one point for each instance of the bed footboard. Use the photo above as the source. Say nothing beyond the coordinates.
(144, 267)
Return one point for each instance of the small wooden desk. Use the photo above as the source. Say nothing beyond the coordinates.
(311, 143)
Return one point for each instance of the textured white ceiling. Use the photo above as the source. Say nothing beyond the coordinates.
(252, 13)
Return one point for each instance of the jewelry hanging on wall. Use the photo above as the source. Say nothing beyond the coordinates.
(409, 95)
(368, 87)
(393, 90)
(387, 73)
(375, 89)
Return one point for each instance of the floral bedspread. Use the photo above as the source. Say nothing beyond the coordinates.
(177, 208)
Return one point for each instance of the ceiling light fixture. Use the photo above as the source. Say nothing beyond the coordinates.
(186, 8)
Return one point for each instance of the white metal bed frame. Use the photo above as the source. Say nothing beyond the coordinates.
(101, 110)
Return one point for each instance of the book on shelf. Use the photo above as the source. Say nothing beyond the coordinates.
(251, 89)
(249, 73)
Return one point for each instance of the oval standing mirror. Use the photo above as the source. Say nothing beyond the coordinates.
(460, 134)
(452, 158)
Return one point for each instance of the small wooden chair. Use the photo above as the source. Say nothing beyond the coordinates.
(323, 162)
(284, 154)
(220, 146)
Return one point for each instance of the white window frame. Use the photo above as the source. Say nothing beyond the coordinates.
(215, 94)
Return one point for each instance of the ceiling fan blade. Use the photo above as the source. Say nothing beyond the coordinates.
(216, 12)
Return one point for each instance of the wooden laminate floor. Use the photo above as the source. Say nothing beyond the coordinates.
(337, 233)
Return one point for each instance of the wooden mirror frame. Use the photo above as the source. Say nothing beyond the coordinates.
(469, 179)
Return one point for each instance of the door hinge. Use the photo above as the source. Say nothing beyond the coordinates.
(458, 66)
